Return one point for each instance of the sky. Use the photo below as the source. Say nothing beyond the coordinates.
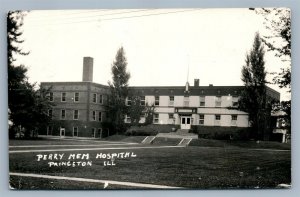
(163, 47)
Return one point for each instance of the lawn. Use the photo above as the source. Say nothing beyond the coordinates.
(190, 167)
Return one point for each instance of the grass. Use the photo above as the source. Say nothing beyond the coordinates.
(242, 144)
(214, 167)
(166, 141)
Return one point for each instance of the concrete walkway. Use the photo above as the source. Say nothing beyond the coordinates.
(105, 182)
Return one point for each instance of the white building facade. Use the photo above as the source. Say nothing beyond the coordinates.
(193, 105)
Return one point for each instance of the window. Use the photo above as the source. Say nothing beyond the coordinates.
(99, 133)
(171, 100)
(156, 118)
(75, 131)
(75, 114)
(217, 120)
(233, 120)
(235, 101)
(128, 101)
(51, 96)
(156, 100)
(63, 114)
(94, 98)
(50, 113)
(100, 116)
(201, 119)
(233, 117)
(186, 101)
(218, 101)
(202, 101)
(171, 116)
(128, 119)
(63, 97)
(94, 115)
(143, 102)
(76, 96)
(100, 98)
(93, 132)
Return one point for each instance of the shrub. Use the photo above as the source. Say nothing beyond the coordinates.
(222, 133)
(152, 129)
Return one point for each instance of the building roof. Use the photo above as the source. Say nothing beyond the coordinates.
(72, 83)
(180, 90)
(174, 90)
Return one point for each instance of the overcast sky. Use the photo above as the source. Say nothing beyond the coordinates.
(160, 45)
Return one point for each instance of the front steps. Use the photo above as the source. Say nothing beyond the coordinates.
(185, 142)
(181, 137)
(148, 140)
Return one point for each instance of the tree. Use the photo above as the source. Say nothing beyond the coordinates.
(278, 23)
(119, 91)
(135, 110)
(149, 113)
(253, 99)
(27, 106)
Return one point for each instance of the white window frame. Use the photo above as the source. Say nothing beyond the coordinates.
(94, 115)
(128, 101)
(156, 118)
(217, 115)
(128, 119)
(143, 100)
(61, 114)
(51, 98)
(156, 101)
(100, 116)
(100, 98)
(99, 131)
(63, 98)
(76, 97)
(94, 99)
(76, 131)
(201, 119)
(74, 118)
(171, 101)
(202, 100)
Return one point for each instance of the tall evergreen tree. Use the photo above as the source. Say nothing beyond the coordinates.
(135, 110)
(253, 99)
(119, 91)
(27, 106)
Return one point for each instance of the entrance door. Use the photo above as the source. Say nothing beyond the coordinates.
(185, 122)
(62, 132)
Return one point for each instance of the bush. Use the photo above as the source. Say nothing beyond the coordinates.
(222, 133)
(152, 129)
(140, 131)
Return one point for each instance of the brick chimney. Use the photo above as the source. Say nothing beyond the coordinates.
(196, 82)
(87, 74)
